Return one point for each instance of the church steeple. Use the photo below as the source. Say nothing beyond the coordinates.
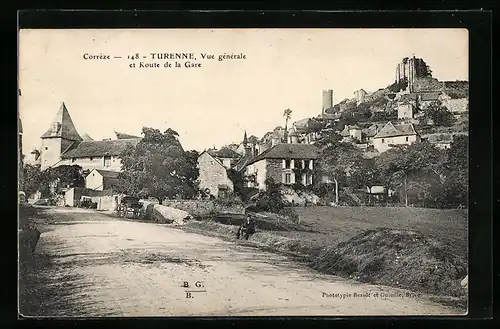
(245, 139)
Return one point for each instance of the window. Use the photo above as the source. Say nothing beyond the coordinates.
(309, 179)
(91, 159)
(288, 178)
(73, 159)
(107, 161)
(287, 163)
(46, 148)
(406, 138)
(382, 141)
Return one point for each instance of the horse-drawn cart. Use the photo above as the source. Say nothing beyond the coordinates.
(129, 205)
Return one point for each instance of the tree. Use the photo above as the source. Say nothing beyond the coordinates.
(53, 180)
(158, 167)
(399, 163)
(287, 114)
(439, 114)
(32, 178)
(457, 166)
(338, 160)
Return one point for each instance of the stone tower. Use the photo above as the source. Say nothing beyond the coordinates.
(60, 135)
(327, 100)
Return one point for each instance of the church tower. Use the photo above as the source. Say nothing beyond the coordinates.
(59, 137)
(246, 145)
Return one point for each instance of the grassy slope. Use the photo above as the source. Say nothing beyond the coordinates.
(335, 225)
(333, 241)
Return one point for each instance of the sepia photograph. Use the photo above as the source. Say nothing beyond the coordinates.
(243, 172)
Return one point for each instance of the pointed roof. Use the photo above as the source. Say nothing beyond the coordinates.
(389, 130)
(62, 126)
(245, 139)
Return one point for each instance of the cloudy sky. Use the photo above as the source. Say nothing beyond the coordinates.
(214, 104)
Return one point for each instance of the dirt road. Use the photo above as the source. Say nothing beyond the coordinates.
(90, 264)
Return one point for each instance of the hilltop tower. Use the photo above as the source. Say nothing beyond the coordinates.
(327, 100)
(58, 138)
(410, 69)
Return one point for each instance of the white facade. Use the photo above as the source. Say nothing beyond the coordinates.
(383, 144)
(405, 111)
(112, 163)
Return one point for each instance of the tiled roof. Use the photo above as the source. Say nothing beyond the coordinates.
(288, 151)
(373, 129)
(88, 149)
(108, 173)
(242, 162)
(391, 130)
(62, 126)
(224, 152)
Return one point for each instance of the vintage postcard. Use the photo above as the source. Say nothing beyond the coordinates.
(243, 172)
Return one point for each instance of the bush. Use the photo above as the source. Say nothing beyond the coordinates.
(289, 213)
(246, 193)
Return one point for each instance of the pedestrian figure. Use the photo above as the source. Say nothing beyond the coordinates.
(247, 229)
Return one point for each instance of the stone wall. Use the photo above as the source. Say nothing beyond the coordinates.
(200, 208)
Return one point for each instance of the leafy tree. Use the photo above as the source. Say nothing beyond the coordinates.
(32, 179)
(237, 178)
(457, 165)
(271, 199)
(398, 164)
(439, 114)
(158, 167)
(54, 179)
(337, 161)
(287, 114)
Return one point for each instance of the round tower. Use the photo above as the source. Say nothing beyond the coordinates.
(327, 99)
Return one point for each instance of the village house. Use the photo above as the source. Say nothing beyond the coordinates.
(100, 180)
(427, 98)
(390, 134)
(281, 163)
(213, 168)
(62, 145)
(371, 131)
(351, 133)
(406, 110)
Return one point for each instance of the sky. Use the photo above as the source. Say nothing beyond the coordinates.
(213, 105)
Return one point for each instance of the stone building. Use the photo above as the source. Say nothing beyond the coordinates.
(62, 145)
(406, 110)
(213, 177)
(390, 134)
(281, 163)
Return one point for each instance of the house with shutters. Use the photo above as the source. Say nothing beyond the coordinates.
(286, 163)
(392, 134)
